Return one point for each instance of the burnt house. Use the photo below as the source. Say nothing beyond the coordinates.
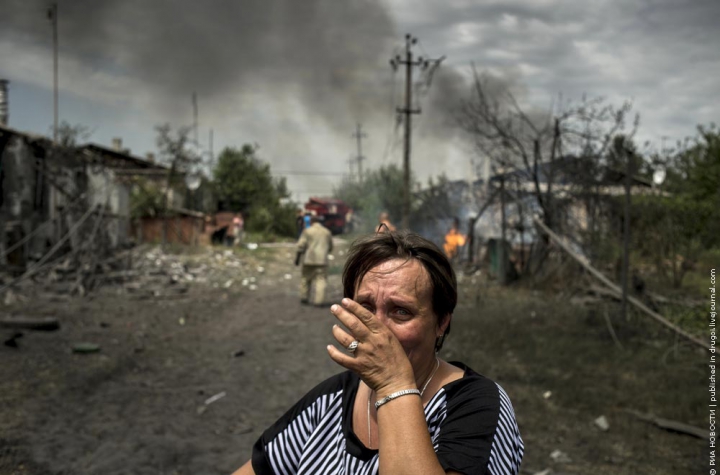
(55, 197)
(582, 197)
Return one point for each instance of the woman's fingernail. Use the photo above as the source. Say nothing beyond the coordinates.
(334, 308)
(345, 302)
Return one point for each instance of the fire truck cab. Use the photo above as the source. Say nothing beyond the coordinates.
(334, 213)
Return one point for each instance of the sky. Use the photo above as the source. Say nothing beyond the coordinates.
(296, 78)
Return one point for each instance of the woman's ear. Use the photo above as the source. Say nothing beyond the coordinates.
(444, 324)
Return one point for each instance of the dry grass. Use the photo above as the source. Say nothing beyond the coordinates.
(532, 342)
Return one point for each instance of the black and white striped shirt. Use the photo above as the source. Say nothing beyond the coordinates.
(471, 423)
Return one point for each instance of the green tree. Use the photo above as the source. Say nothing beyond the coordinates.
(620, 151)
(682, 221)
(433, 202)
(380, 190)
(695, 170)
(669, 231)
(245, 184)
(146, 199)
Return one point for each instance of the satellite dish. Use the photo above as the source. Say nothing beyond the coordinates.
(659, 176)
(192, 181)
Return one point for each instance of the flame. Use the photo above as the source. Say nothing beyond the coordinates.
(453, 239)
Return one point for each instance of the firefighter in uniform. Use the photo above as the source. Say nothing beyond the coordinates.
(314, 246)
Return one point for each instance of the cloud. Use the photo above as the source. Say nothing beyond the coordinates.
(321, 50)
(662, 54)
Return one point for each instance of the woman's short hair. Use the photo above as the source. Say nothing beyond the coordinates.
(370, 251)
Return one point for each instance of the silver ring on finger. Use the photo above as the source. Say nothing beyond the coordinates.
(353, 346)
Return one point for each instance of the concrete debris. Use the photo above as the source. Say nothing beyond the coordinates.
(560, 457)
(214, 398)
(547, 394)
(12, 298)
(602, 423)
(142, 272)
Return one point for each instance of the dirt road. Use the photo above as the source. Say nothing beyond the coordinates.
(138, 406)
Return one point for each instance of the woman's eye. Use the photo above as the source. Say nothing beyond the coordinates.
(402, 312)
(368, 308)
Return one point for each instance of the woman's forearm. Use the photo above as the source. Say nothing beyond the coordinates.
(404, 441)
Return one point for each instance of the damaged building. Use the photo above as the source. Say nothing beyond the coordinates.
(58, 199)
(502, 206)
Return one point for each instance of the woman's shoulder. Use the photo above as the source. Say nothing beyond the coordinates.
(473, 384)
(477, 398)
(478, 432)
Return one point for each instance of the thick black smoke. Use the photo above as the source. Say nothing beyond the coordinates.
(324, 51)
(263, 61)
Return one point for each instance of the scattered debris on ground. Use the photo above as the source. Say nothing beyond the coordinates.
(144, 272)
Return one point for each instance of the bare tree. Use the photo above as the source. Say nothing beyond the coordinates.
(566, 143)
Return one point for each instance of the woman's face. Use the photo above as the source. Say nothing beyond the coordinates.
(399, 294)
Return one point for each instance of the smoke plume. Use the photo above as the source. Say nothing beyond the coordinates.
(320, 50)
(293, 76)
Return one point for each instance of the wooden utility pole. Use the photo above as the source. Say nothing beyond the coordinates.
(195, 118)
(351, 165)
(210, 149)
(359, 135)
(502, 254)
(626, 234)
(52, 15)
(407, 111)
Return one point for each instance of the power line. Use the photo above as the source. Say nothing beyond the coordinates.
(291, 173)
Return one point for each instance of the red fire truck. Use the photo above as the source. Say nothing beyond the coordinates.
(334, 213)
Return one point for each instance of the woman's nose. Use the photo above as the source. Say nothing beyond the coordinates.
(381, 315)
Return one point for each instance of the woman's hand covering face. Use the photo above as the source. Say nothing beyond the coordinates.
(380, 359)
(392, 319)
